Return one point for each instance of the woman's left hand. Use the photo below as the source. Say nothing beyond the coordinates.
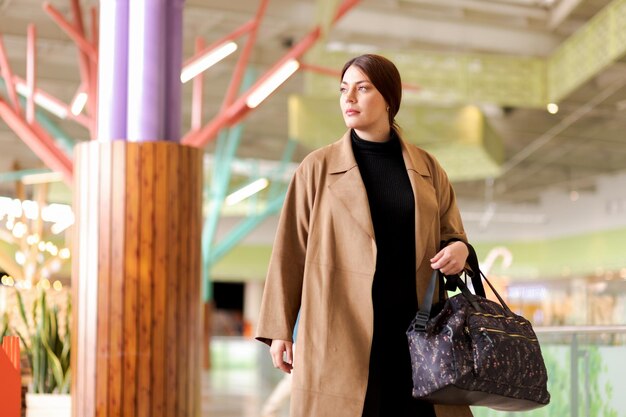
(451, 259)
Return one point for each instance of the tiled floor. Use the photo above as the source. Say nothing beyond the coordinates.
(235, 393)
(231, 393)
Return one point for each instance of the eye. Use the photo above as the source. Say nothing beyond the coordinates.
(362, 88)
(342, 89)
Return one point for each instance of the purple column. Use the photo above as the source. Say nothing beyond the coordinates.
(146, 71)
(174, 42)
(112, 69)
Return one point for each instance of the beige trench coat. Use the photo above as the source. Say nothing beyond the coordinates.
(323, 263)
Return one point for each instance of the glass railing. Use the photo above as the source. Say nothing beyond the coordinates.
(586, 373)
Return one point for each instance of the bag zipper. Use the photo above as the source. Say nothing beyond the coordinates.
(500, 316)
(484, 331)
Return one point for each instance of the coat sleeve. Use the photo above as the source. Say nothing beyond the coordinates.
(283, 285)
(451, 225)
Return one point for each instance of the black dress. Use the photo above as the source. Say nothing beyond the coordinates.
(392, 208)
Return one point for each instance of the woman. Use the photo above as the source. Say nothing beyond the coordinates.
(357, 240)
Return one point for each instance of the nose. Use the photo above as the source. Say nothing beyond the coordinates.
(350, 96)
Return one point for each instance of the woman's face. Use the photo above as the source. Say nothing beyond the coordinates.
(363, 107)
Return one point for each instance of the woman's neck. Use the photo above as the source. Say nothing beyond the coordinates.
(382, 135)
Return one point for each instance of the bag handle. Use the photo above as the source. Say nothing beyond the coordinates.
(472, 261)
(425, 307)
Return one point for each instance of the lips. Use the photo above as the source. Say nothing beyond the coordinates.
(351, 112)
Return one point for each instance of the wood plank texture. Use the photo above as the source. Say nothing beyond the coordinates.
(183, 283)
(195, 277)
(104, 282)
(90, 280)
(146, 281)
(131, 269)
(118, 216)
(159, 278)
(173, 274)
(78, 349)
(136, 280)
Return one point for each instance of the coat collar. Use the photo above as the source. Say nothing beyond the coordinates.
(342, 157)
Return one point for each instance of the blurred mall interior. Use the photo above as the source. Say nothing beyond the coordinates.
(146, 148)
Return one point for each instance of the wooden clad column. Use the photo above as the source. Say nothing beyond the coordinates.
(136, 280)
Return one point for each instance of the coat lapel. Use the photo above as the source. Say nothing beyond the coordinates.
(425, 202)
(348, 188)
(348, 185)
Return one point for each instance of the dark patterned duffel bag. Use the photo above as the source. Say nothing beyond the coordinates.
(476, 352)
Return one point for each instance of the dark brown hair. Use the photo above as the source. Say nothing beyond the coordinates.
(385, 77)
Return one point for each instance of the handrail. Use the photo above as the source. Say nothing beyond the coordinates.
(579, 329)
(578, 351)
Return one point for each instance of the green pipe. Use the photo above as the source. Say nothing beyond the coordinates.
(241, 230)
(18, 175)
(277, 187)
(63, 140)
(228, 142)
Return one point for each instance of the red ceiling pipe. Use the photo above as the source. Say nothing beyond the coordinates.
(198, 88)
(51, 145)
(242, 63)
(92, 87)
(31, 57)
(80, 40)
(239, 109)
(344, 8)
(7, 74)
(37, 139)
(320, 70)
(83, 59)
(243, 29)
(95, 29)
(81, 119)
(336, 74)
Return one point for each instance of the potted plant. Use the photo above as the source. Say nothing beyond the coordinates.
(48, 353)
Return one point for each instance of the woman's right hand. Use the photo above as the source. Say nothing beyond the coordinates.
(277, 349)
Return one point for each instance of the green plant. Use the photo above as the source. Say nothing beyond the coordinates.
(4, 326)
(48, 353)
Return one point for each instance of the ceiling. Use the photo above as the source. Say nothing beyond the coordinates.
(584, 140)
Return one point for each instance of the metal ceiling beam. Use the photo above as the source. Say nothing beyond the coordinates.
(460, 34)
(561, 12)
(553, 132)
(516, 10)
(324, 14)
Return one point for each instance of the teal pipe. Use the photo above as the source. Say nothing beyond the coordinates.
(227, 145)
(63, 140)
(241, 230)
(18, 175)
(276, 188)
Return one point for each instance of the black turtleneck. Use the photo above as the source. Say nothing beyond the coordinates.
(392, 207)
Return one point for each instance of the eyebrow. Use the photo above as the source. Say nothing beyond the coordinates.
(358, 82)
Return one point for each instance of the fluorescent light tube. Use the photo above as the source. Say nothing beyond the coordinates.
(272, 83)
(43, 101)
(78, 104)
(206, 61)
(247, 191)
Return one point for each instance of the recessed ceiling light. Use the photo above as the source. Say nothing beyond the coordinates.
(553, 108)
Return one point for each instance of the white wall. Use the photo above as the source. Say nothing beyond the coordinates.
(603, 209)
